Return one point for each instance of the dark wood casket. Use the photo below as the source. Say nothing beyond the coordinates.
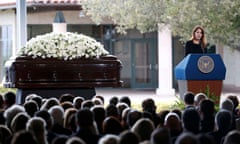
(36, 75)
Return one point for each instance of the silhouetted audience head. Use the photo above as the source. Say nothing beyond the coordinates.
(199, 97)
(57, 113)
(125, 99)
(9, 99)
(85, 118)
(37, 127)
(49, 103)
(234, 99)
(112, 125)
(173, 123)
(23, 137)
(66, 105)
(223, 120)
(5, 134)
(162, 114)
(99, 115)
(161, 136)
(233, 137)
(109, 139)
(187, 138)
(45, 115)
(111, 110)
(191, 120)
(66, 97)
(113, 100)
(149, 105)
(100, 97)
(31, 107)
(11, 112)
(227, 104)
(133, 116)
(143, 128)
(62, 139)
(75, 140)
(204, 138)
(188, 99)
(77, 102)
(207, 107)
(128, 137)
(97, 101)
(19, 122)
(87, 104)
(69, 119)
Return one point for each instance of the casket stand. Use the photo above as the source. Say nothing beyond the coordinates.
(51, 77)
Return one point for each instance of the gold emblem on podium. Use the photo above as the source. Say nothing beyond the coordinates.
(205, 64)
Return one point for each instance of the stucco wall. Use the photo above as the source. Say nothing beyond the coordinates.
(231, 59)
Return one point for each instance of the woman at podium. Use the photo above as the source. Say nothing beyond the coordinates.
(198, 42)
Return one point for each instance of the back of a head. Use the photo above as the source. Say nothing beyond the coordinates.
(31, 107)
(188, 98)
(109, 139)
(149, 105)
(223, 120)
(199, 97)
(128, 137)
(227, 104)
(11, 112)
(19, 122)
(112, 125)
(66, 97)
(23, 137)
(85, 117)
(205, 138)
(133, 116)
(161, 136)
(234, 99)
(75, 140)
(111, 110)
(172, 121)
(191, 120)
(57, 113)
(143, 128)
(87, 104)
(113, 100)
(77, 102)
(207, 107)
(126, 100)
(9, 98)
(233, 137)
(44, 114)
(5, 133)
(187, 138)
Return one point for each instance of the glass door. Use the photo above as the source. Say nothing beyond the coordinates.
(144, 67)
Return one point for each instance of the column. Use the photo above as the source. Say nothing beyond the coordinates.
(165, 66)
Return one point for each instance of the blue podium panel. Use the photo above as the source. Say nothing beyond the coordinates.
(201, 67)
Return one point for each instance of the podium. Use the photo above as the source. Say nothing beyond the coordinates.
(201, 72)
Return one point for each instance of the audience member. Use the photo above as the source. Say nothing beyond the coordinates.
(111, 125)
(162, 114)
(87, 104)
(113, 100)
(149, 106)
(99, 116)
(5, 134)
(19, 122)
(24, 137)
(77, 102)
(86, 128)
(233, 137)
(11, 112)
(69, 119)
(143, 129)
(111, 110)
(188, 99)
(128, 137)
(204, 138)
(49, 103)
(67, 97)
(198, 98)
(187, 138)
(9, 98)
(207, 114)
(191, 120)
(161, 136)
(132, 116)
(31, 107)
(75, 140)
(36, 126)
(223, 121)
(173, 123)
(57, 113)
(125, 99)
(109, 139)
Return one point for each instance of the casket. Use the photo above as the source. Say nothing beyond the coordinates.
(36, 73)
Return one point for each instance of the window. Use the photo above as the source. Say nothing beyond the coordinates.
(5, 46)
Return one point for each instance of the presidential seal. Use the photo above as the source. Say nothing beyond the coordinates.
(205, 64)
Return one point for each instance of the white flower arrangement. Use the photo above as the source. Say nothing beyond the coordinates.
(65, 46)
